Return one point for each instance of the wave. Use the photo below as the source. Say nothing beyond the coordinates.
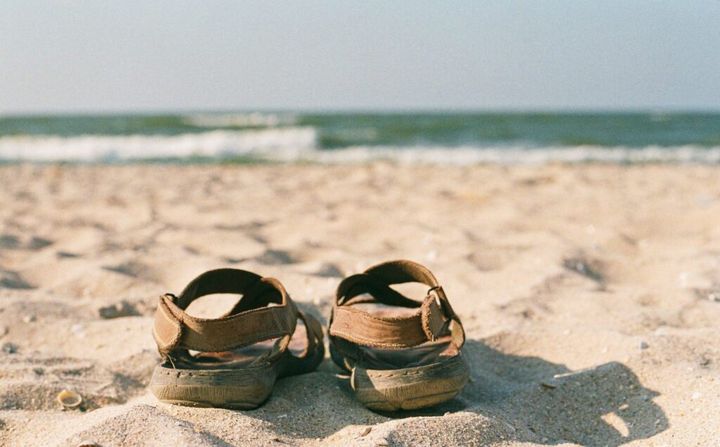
(254, 119)
(219, 143)
(291, 144)
(526, 155)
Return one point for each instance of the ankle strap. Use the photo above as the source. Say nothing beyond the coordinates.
(251, 320)
(434, 319)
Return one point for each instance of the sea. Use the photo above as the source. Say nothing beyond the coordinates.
(454, 138)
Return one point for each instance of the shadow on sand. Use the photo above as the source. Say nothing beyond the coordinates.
(531, 399)
(605, 405)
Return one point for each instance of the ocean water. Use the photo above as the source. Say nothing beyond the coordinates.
(443, 138)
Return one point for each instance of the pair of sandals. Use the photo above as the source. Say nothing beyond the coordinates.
(400, 353)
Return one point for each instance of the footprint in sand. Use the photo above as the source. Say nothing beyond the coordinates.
(328, 270)
(13, 242)
(592, 269)
(132, 269)
(9, 241)
(491, 258)
(66, 254)
(276, 257)
(36, 243)
(13, 280)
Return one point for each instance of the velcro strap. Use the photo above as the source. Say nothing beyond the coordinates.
(361, 327)
(454, 325)
(174, 328)
(167, 329)
(434, 319)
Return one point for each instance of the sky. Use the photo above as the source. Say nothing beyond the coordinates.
(166, 55)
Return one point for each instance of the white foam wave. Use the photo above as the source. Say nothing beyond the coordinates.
(290, 144)
(254, 119)
(290, 141)
(519, 155)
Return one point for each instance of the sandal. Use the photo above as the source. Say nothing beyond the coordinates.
(232, 361)
(402, 354)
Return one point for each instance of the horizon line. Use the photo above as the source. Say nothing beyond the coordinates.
(360, 110)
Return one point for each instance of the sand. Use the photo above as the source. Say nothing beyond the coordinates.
(590, 296)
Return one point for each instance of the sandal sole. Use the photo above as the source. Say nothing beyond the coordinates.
(410, 388)
(237, 389)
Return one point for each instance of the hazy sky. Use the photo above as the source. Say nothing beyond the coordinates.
(167, 55)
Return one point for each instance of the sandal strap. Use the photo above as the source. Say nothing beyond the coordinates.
(435, 317)
(249, 322)
(314, 332)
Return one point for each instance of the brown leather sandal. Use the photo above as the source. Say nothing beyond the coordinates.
(402, 354)
(232, 361)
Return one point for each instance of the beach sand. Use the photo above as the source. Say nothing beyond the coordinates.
(590, 296)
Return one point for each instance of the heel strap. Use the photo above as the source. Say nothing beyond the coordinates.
(434, 318)
(249, 322)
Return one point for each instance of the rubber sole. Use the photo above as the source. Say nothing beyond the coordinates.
(410, 388)
(236, 388)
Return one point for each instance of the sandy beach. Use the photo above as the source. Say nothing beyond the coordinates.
(590, 295)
